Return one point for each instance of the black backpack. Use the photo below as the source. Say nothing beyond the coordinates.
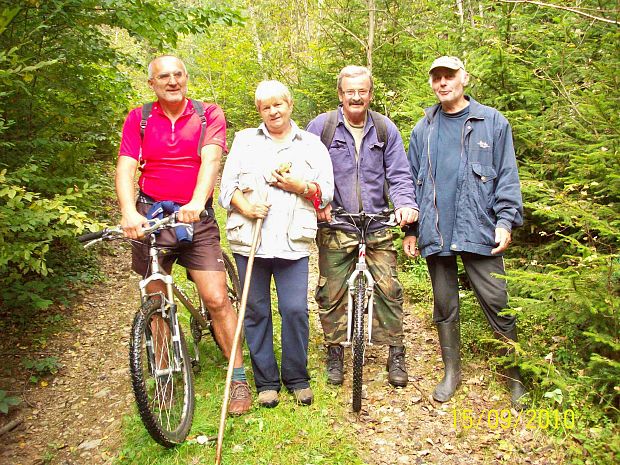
(200, 111)
(329, 129)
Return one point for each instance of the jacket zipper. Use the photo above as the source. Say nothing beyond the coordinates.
(430, 173)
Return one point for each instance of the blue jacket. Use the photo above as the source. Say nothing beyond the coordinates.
(364, 182)
(488, 193)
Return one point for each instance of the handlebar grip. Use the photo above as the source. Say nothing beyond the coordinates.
(90, 236)
(204, 214)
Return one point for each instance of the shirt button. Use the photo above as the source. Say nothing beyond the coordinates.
(468, 127)
(453, 246)
(484, 178)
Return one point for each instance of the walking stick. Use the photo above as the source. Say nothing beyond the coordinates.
(231, 360)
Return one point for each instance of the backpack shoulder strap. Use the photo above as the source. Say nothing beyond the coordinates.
(379, 121)
(146, 111)
(329, 128)
(381, 127)
(200, 111)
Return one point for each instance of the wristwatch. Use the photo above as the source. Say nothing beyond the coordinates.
(306, 189)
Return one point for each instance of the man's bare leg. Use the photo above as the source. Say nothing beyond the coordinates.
(214, 292)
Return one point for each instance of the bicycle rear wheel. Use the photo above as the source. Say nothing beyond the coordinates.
(358, 341)
(234, 295)
(164, 392)
(234, 292)
(233, 283)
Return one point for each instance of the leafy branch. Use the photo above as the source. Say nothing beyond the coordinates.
(575, 10)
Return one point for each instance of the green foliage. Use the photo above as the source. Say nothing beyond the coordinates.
(6, 402)
(41, 367)
(64, 93)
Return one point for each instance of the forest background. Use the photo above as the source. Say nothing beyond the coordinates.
(71, 69)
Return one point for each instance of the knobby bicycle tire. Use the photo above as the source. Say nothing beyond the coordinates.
(165, 402)
(358, 342)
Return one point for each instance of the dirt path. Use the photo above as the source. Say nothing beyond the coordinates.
(76, 417)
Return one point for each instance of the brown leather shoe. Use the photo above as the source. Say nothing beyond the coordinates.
(240, 398)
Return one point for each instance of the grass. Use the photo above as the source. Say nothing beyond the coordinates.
(288, 434)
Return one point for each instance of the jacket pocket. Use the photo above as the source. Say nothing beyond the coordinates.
(484, 180)
(239, 229)
(303, 225)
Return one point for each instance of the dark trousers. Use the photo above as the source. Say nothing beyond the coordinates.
(489, 290)
(291, 279)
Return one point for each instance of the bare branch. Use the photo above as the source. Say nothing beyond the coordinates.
(566, 8)
(351, 33)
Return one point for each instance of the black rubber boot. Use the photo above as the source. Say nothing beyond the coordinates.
(397, 370)
(335, 369)
(513, 375)
(450, 342)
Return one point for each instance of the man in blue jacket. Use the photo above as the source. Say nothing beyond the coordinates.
(368, 158)
(467, 186)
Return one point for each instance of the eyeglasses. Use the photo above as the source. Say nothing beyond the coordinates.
(165, 77)
(361, 92)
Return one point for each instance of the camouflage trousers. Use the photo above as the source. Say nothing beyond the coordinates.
(337, 258)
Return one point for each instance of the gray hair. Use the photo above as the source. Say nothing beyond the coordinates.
(351, 71)
(150, 68)
(267, 90)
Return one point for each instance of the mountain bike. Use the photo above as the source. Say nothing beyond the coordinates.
(160, 365)
(361, 285)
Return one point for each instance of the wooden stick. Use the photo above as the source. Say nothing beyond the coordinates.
(10, 425)
(240, 316)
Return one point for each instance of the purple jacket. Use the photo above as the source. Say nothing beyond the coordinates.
(364, 183)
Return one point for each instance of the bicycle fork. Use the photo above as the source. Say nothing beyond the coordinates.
(168, 309)
(362, 268)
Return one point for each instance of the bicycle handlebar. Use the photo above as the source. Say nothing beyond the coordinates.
(385, 217)
(116, 232)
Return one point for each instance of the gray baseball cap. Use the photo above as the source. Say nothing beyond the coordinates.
(447, 62)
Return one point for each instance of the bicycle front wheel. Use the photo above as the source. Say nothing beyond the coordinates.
(358, 341)
(162, 381)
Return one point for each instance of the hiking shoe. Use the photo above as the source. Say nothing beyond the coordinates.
(397, 370)
(335, 369)
(240, 398)
(268, 398)
(304, 396)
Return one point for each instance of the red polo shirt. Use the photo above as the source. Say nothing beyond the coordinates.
(168, 157)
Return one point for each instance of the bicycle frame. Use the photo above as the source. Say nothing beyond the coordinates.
(365, 219)
(168, 308)
(168, 303)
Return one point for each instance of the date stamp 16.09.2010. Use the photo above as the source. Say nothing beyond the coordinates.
(531, 419)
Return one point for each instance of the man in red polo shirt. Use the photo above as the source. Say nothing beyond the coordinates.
(173, 169)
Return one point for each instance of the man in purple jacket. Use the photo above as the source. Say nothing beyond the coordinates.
(367, 155)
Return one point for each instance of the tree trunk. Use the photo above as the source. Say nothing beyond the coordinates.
(257, 42)
(371, 33)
